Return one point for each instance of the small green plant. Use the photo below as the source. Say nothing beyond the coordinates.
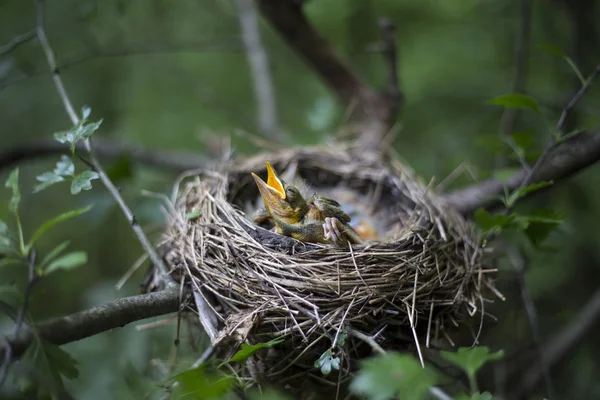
(470, 360)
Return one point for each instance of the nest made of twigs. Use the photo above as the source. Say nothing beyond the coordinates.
(257, 285)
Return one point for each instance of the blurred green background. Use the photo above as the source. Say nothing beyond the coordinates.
(173, 76)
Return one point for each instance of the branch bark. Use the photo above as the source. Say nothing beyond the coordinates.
(96, 320)
(373, 112)
(568, 159)
(176, 161)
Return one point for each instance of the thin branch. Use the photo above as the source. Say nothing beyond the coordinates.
(519, 266)
(17, 41)
(372, 112)
(259, 66)
(578, 153)
(8, 349)
(390, 53)
(562, 342)
(98, 319)
(146, 245)
(176, 161)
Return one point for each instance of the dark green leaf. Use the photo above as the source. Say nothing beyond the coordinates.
(248, 350)
(60, 362)
(83, 181)
(193, 214)
(327, 362)
(47, 179)
(488, 222)
(54, 252)
(522, 192)
(59, 218)
(524, 139)
(11, 296)
(4, 261)
(541, 224)
(67, 262)
(64, 167)
(552, 49)
(515, 100)
(393, 374)
(471, 359)
(199, 383)
(503, 175)
(13, 183)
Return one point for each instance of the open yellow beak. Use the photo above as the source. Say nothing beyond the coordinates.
(273, 184)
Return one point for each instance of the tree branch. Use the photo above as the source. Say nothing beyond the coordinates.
(17, 41)
(259, 66)
(60, 87)
(176, 161)
(97, 320)
(373, 112)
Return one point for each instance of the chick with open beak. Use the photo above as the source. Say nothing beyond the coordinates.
(318, 220)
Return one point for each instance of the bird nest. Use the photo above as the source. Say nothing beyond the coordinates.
(251, 285)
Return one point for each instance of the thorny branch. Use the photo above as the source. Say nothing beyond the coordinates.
(9, 351)
(146, 245)
(259, 66)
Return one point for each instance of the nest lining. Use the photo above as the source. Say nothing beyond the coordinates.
(258, 285)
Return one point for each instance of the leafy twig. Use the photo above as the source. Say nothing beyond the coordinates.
(8, 348)
(146, 245)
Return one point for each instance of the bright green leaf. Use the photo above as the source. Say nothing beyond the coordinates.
(393, 374)
(524, 139)
(64, 167)
(515, 100)
(471, 359)
(54, 252)
(67, 137)
(193, 214)
(59, 218)
(13, 183)
(85, 131)
(47, 179)
(489, 222)
(327, 362)
(199, 383)
(524, 191)
(248, 350)
(83, 181)
(67, 262)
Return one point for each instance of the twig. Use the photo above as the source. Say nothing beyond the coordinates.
(176, 161)
(578, 153)
(518, 264)
(561, 343)
(17, 41)
(146, 245)
(8, 348)
(259, 66)
(97, 320)
(390, 53)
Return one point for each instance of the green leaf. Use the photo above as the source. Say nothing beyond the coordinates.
(571, 134)
(85, 131)
(489, 222)
(85, 112)
(67, 137)
(64, 167)
(492, 143)
(524, 191)
(13, 183)
(541, 224)
(248, 350)
(552, 49)
(524, 139)
(199, 383)
(6, 245)
(393, 374)
(341, 340)
(327, 362)
(471, 359)
(503, 175)
(193, 214)
(515, 100)
(67, 262)
(59, 218)
(47, 179)
(83, 181)
(60, 362)
(54, 252)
